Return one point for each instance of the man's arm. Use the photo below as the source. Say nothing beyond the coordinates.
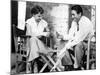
(71, 32)
(85, 29)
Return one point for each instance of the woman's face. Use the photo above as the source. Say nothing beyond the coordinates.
(38, 17)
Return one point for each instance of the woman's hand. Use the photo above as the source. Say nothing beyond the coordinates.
(60, 37)
(39, 36)
(43, 34)
(46, 34)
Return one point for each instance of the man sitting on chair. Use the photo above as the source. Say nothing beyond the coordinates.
(81, 27)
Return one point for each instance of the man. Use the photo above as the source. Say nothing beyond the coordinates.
(81, 27)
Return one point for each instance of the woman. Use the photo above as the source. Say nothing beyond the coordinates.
(35, 27)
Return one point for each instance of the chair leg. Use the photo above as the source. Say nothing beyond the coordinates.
(88, 55)
(28, 68)
(43, 68)
(17, 71)
(35, 68)
(47, 63)
(54, 63)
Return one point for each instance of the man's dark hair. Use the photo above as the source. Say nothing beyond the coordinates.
(78, 9)
(37, 9)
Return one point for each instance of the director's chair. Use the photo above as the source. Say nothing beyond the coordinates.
(89, 59)
(91, 52)
(21, 51)
(49, 58)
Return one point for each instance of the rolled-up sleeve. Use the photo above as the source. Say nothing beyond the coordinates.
(28, 32)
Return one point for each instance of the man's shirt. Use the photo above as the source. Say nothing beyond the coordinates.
(76, 34)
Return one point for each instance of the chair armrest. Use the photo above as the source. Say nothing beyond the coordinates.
(25, 36)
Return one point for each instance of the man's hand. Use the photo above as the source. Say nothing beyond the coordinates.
(70, 46)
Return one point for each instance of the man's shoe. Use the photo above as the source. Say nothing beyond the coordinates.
(79, 68)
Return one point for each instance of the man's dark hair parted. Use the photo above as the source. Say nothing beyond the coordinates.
(78, 9)
(37, 9)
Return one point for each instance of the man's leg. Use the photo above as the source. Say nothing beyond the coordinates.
(67, 62)
(78, 54)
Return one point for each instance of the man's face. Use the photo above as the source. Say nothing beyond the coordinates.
(38, 17)
(75, 16)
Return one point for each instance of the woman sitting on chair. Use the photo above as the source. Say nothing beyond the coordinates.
(35, 27)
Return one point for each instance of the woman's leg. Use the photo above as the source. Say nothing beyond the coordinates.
(33, 49)
(42, 47)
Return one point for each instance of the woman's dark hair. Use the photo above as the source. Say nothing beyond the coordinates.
(37, 9)
(78, 9)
